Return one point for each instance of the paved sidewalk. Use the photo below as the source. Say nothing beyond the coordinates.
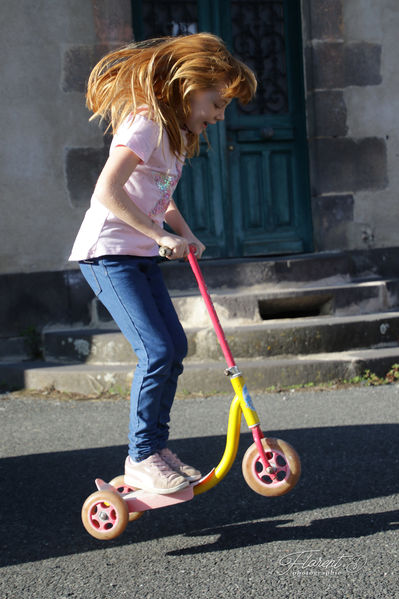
(334, 535)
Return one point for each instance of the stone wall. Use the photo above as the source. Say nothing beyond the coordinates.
(47, 50)
(351, 81)
(51, 154)
(112, 24)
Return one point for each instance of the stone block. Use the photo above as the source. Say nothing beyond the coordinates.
(336, 65)
(380, 262)
(30, 301)
(77, 63)
(80, 297)
(112, 20)
(348, 165)
(330, 210)
(82, 168)
(328, 114)
(330, 217)
(327, 64)
(326, 20)
(363, 64)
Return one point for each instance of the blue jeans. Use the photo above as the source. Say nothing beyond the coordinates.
(133, 291)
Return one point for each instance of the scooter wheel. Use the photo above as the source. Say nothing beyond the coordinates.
(119, 483)
(105, 515)
(282, 458)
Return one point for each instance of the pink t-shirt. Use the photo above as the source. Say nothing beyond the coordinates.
(150, 187)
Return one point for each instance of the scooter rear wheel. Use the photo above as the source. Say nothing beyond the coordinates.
(119, 483)
(283, 459)
(105, 515)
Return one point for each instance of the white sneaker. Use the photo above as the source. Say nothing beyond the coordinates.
(155, 475)
(190, 473)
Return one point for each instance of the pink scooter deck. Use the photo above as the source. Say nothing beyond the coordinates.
(140, 501)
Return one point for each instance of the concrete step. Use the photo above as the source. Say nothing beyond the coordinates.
(270, 301)
(302, 268)
(288, 321)
(68, 299)
(204, 377)
(263, 339)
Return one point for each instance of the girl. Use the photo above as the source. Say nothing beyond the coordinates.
(158, 97)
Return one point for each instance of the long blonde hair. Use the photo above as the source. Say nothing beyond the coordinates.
(161, 74)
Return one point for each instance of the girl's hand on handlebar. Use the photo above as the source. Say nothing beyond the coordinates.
(178, 247)
(198, 246)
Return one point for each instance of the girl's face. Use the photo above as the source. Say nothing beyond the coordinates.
(206, 108)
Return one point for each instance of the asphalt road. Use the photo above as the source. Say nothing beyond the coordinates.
(334, 536)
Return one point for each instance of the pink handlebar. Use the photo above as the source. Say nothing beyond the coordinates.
(210, 307)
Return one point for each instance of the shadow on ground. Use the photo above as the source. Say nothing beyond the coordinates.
(43, 494)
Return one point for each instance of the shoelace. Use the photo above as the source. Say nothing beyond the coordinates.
(173, 460)
(158, 462)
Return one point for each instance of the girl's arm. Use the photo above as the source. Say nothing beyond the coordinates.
(175, 219)
(111, 193)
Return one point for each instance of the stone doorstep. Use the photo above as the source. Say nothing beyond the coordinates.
(259, 303)
(265, 339)
(297, 269)
(68, 298)
(245, 307)
(202, 378)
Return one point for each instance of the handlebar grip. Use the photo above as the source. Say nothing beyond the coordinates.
(165, 252)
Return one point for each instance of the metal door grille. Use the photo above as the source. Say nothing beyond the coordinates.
(258, 38)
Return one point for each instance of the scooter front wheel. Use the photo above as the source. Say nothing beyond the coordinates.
(119, 483)
(105, 515)
(285, 468)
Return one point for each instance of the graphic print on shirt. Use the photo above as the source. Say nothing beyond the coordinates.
(166, 185)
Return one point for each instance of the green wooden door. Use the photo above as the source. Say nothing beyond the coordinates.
(249, 194)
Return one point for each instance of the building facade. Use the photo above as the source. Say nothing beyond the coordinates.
(310, 166)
